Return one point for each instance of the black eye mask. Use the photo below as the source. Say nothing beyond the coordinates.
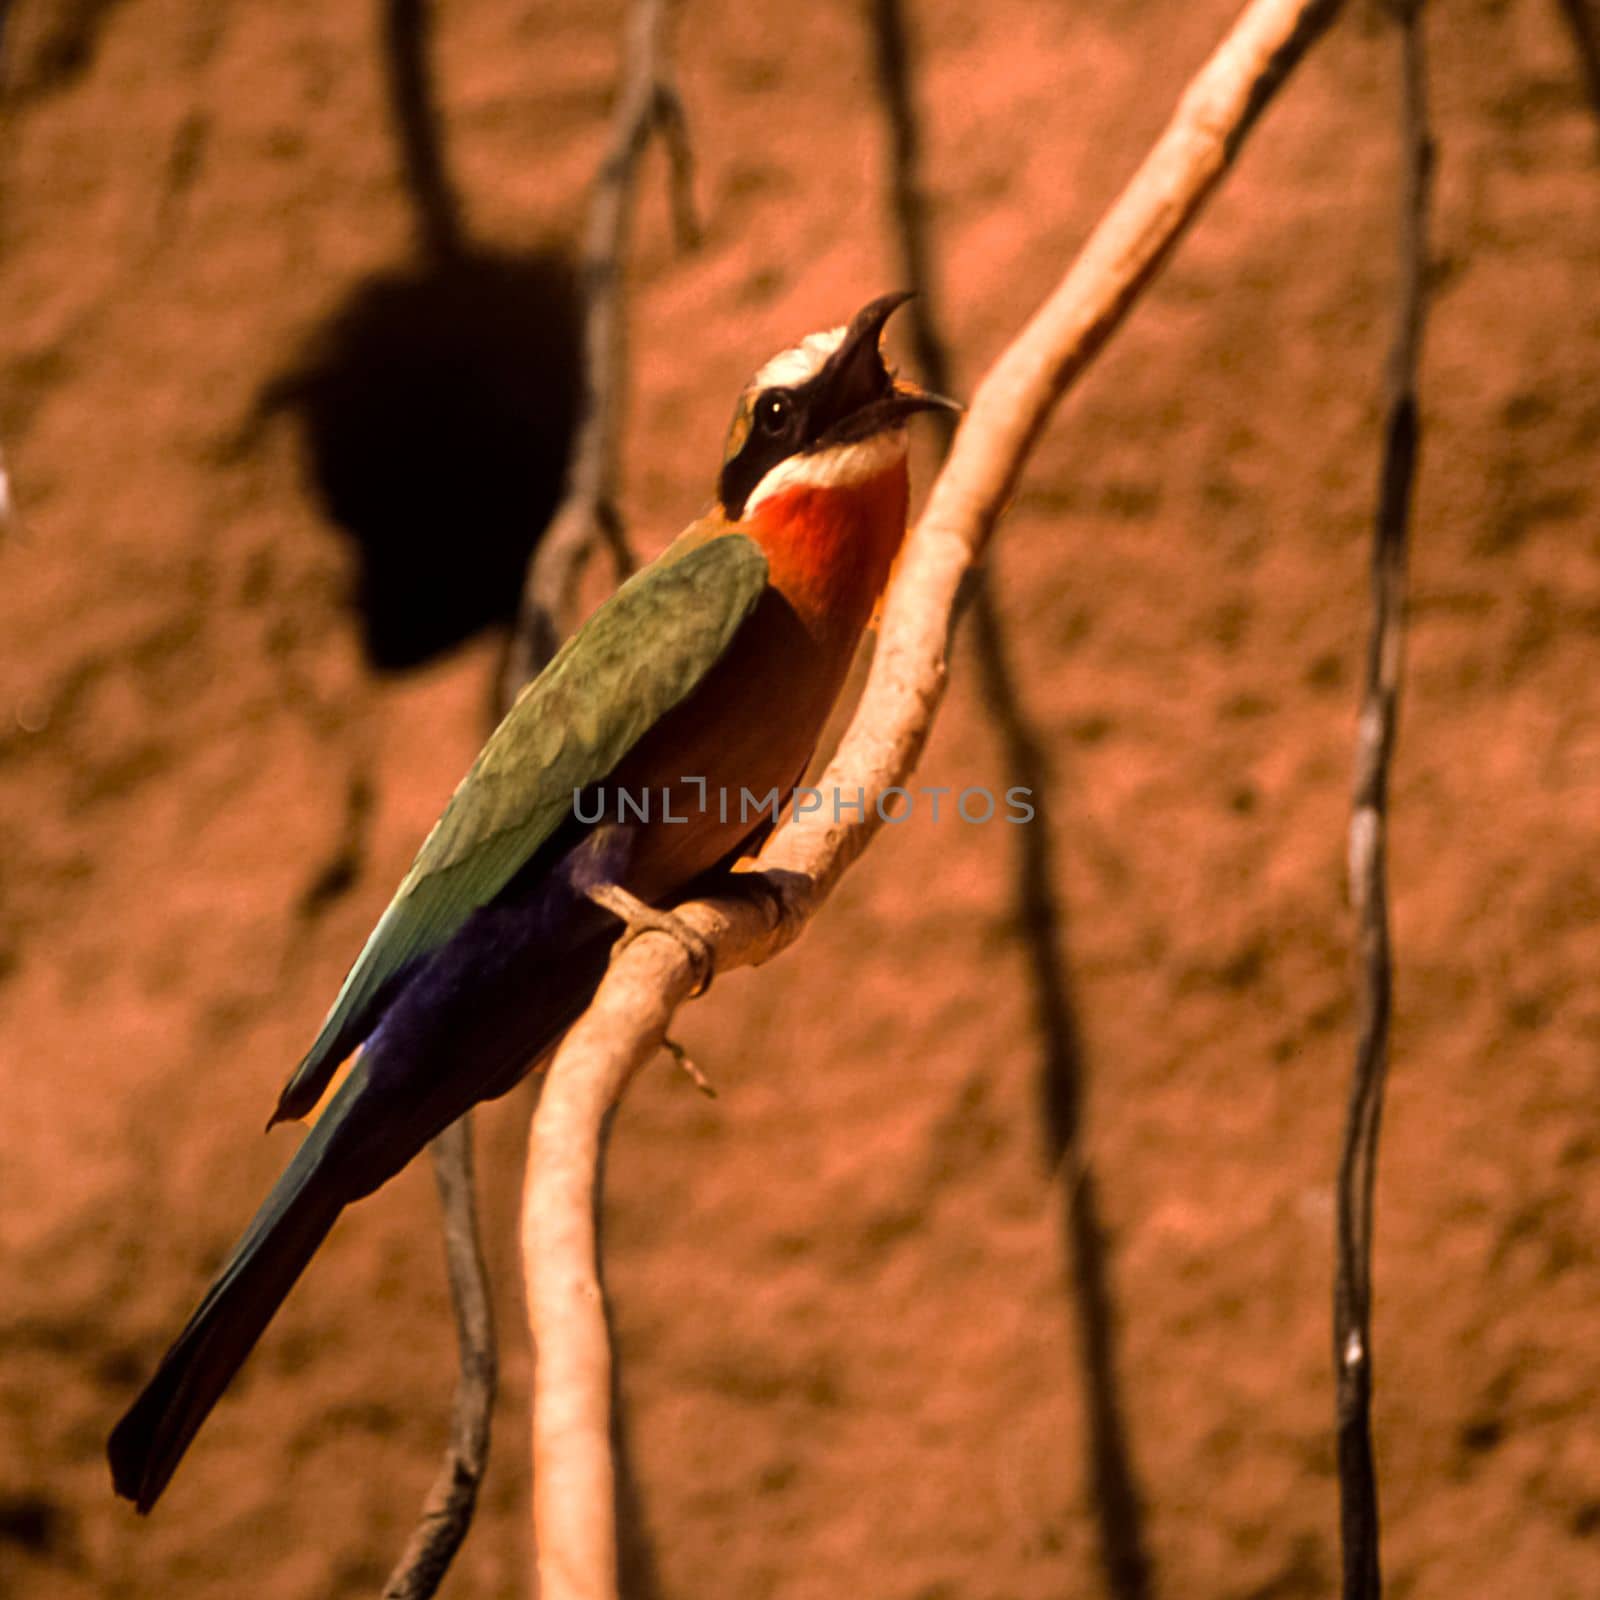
(852, 397)
(781, 425)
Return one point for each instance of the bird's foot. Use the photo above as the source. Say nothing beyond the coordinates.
(778, 892)
(637, 917)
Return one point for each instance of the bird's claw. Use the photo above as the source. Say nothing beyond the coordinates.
(775, 891)
(637, 917)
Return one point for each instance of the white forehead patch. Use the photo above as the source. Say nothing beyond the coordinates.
(790, 368)
(842, 466)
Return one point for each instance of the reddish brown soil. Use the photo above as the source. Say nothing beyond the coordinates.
(859, 1358)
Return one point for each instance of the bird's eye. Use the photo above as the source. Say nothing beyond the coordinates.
(773, 412)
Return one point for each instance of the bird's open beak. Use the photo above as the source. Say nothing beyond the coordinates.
(856, 395)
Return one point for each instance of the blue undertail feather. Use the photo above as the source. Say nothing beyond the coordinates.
(466, 1027)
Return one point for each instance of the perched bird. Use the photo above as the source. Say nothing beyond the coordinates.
(707, 675)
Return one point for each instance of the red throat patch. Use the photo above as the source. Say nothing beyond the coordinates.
(830, 549)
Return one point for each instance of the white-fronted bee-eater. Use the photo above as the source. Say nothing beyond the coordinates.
(707, 675)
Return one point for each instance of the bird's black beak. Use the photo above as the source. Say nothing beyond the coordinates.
(855, 395)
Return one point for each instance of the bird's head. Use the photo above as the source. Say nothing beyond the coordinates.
(828, 414)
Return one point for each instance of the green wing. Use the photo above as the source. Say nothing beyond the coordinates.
(636, 658)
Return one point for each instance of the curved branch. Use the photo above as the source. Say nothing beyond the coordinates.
(652, 975)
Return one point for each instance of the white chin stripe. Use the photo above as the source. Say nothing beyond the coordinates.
(842, 466)
(791, 368)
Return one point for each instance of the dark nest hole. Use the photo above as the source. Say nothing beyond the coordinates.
(438, 405)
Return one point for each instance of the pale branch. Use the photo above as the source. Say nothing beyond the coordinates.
(573, 1473)
(587, 517)
(1369, 893)
(447, 1512)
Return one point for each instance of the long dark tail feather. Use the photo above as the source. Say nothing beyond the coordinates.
(466, 1030)
(148, 1443)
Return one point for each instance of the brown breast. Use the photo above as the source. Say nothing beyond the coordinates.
(747, 731)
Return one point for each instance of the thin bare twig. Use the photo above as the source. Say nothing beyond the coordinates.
(1120, 1519)
(1369, 893)
(447, 1512)
(647, 99)
(587, 517)
(573, 1473)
